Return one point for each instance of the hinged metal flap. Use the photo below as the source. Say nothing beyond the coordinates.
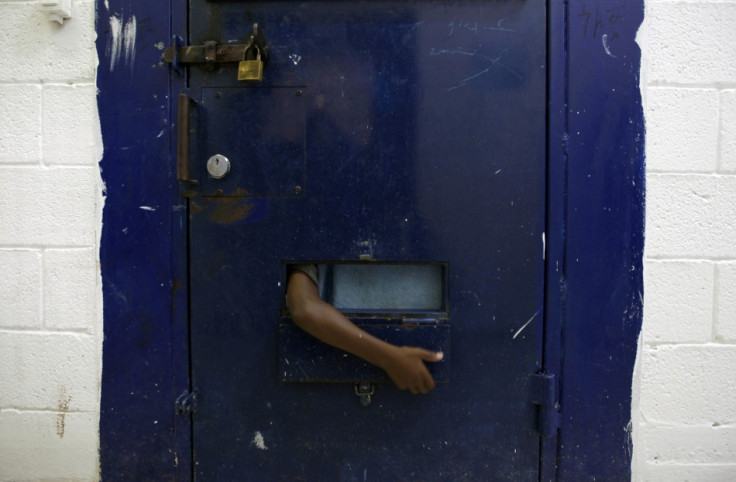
(303, 358)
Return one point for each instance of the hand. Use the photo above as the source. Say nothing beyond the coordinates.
(406, 368)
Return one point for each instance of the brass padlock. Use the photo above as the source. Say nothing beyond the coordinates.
(251, 69)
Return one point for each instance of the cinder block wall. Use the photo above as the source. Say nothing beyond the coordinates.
(50, 204)
(684, 415)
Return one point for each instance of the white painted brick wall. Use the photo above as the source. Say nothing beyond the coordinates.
(680, 316)
(725, 329)
(50, 199)
(684, 413)
(667, 148)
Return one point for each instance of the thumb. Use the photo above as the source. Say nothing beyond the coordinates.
(430, 356)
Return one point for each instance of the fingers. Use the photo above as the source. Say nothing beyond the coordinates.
(428, 383)
(424, 386)
(430, 356)
(425, 382)
(411, 373)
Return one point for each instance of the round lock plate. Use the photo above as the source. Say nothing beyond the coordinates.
(218, 166)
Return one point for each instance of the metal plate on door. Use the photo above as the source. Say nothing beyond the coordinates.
(260, 134)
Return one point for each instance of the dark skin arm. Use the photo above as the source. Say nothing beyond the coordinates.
(403, 364)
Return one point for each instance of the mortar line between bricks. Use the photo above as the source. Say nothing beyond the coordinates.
(44, 247)
(48, 167)
(691, 344)
(688, 464)
(44, 82)
(728, 85)
(712, 174)
(718, 173)
(11, 408)
(702, 425)
(689, 258)
(46, 331)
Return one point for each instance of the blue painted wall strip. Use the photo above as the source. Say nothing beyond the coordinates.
(141, 375)
(604, 239)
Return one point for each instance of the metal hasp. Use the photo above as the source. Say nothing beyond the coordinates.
(365, 390)
(212, 54)
(544, 394)
(186, 403)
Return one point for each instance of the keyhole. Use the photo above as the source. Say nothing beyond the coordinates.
(218, 166)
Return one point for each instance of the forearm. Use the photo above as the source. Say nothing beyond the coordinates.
(324, 322)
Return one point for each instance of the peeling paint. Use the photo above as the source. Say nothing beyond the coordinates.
(258, 441)
(122, 41)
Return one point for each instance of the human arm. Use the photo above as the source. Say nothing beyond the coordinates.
(404, 365)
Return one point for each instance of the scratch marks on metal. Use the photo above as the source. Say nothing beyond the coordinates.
(121, 43)
(518, 332)
(606, 45)
(146, 208)
(472, 294)
(475, 27)
(544, 245)
(259, 441)
(492, 62)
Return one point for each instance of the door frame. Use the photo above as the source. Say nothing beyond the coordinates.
(594, 241)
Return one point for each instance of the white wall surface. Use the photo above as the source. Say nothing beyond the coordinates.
(50, 205)
(684, 415)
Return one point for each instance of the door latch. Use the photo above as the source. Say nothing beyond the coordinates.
(212, 54)
(365, 390)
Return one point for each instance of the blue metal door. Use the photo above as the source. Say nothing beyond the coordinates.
(390, 134)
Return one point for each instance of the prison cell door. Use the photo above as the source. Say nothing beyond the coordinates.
(398, 145)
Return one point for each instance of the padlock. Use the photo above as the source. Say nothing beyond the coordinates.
(251, 69)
